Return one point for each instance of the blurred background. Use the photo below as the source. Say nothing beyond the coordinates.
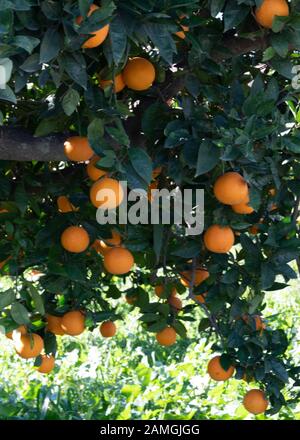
(131, 377)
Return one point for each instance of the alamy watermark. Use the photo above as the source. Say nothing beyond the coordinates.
(160, 206)
(296, 77)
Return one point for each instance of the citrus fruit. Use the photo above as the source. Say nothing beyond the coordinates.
(217, 372)
(118, 261)
(106, 193)
(75, 239)
(219, 239)
(73, 323)
(231, 189)
(78, 149)
(139, 74)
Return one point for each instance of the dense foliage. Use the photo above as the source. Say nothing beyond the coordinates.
(222, 101)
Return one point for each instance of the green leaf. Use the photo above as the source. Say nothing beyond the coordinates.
(51, 45)
(96, 133)
(70, 101)
(19, 314)
(37, 299)
(141, 163)
(7, 298)
(208, 157)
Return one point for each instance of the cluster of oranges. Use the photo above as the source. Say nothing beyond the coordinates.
(254, 401)
(31, 345)
(117, 259)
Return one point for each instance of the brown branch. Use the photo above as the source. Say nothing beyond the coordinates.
(235, 46)
(18, 144)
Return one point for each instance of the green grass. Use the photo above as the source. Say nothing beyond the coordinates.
(130, 377)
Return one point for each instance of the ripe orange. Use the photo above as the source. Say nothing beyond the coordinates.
(93, 172)
(102, 246)
(200, 276)
(118, 261)
(267, 11)
(175, 302)
(29, 346)
(156, 172)
(47, 364)
(255, 402)
(166, 337)
(98, 36)
(130, 299)
(118, 82)
(108, 329)
(152, 186)
(78, 149)
(231, 189)
(73, 323)
(54, 325)
(64, 204)
(159, 290)
(254, 230)
(106, 193)
(243, 208)
(139, 74)
(3, 263)
(217, 372)
(219, 239)
(259, 324)
(75, 239)
(201, 298)
(22, 330)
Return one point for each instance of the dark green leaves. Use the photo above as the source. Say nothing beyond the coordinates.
(141, 163)
(70, 101)
(51, 45)
(208, 157)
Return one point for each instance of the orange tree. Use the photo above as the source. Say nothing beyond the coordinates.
(162, 94)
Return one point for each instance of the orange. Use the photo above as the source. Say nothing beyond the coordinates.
(166, 337)
(217, 372)
(54, 325)
(75, 239)
(272, 192)
(97, 36)
(118, 261)
(219, 239)
(78, 149)
(200, 276)
(259, 324)
(22, 330)
(3, 263)
(269, 9)
(156, 172)
(201, 298)
(47, 364)
(73, 323)
(254, 230)
(29, 346)
(93, 172)
(255, 402)
(106, 193)
(139, 74)
(108, 329)
(159, 290)
(118, 82)
(130, 299)
(152, 186)
(102, 246)
(175, 302)
(231, 189)
(64, 204)
(243, 208)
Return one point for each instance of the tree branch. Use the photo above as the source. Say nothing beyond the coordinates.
(235, 46)
(17, 144)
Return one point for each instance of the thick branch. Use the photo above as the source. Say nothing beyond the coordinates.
(238, 46)
(17, 144)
